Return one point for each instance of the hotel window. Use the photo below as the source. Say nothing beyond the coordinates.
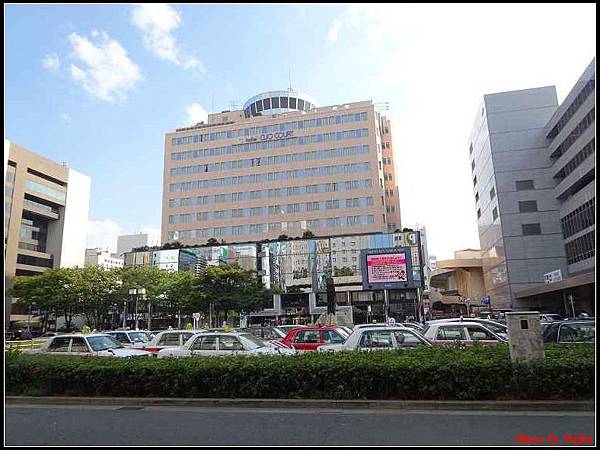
(292, 103)
(284, 102)
(492, 193)
(267, 103)
(275, 102)
(528, 206)
(531, 228)
(476, 196)
(495, 213)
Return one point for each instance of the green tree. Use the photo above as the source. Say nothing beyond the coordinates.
(98, 290)
(179, 293)
(55, 290)
(308, 235)
(229, 288)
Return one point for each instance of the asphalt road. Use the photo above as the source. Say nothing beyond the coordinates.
(108, 425)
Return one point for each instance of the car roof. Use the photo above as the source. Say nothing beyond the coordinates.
(387, 327)
(80, 335)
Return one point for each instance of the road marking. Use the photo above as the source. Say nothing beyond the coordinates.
(324, 411)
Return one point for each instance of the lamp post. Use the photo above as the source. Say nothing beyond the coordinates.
(134, 292)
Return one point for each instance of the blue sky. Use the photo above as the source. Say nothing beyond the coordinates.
(98, 86)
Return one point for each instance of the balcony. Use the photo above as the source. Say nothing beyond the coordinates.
(40, 209)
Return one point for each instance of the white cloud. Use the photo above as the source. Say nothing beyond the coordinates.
(435, 71)
(195, 113)
(193, 63)
(332, 34)
(51, 62)
(104, 69)
(103, 233)
(157, 23)
(66, 117)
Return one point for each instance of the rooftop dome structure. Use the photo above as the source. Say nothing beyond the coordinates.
(278, 102)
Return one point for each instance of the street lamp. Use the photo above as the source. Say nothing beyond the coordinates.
(135, 293)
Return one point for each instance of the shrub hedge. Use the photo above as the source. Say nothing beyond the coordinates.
(434, 373)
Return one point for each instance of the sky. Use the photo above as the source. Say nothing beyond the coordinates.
(98, 86)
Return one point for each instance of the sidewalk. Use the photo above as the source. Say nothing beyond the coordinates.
(509, 405)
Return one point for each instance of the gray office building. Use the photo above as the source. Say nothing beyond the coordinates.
(534, 189)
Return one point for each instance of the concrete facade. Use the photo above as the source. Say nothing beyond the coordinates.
(518, 214)
(45, 215)
(572, 148)
(128, 242)
(247, 176)
(538, 157)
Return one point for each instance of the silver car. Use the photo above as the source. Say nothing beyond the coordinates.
(87, 345)
(378, 338)
(224, 344)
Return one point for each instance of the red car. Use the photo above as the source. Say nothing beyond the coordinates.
(309, 338)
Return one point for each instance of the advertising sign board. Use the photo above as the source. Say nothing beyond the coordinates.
(387, 268)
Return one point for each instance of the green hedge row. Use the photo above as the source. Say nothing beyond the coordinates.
(435, 373)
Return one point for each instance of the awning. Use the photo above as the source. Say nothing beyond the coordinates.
(569, 283)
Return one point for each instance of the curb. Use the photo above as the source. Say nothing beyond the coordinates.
(505, 405)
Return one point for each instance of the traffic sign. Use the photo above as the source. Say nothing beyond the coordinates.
(486, 300)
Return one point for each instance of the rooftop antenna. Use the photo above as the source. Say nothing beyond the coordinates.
(212, 105)
(290, 78)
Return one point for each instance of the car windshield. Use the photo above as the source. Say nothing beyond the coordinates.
(495, 327)
(139, 336)
(99, 343)
(251, 341)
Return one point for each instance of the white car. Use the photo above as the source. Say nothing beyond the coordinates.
(495, 327)
(224, 344)
(87, 345)
(131, 338)
(465, 332)
(378, 338)
(168, 339)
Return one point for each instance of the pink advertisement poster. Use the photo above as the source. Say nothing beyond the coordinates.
(387, 268)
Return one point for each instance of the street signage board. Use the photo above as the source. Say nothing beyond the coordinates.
(553, 277)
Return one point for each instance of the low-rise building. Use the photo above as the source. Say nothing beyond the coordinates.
(102, 258)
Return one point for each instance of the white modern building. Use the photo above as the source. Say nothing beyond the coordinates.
(102, 258)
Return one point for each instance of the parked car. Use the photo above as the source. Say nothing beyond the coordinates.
(309, 338)
(264, 333)
(87, 345)
(570, 331)
(414, 326)
(129, 338)
(550, 317)
(168, 338)
(496, 327)
(378, 338)
(223, 344)
(466, 332)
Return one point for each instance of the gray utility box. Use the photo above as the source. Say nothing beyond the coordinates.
(524, 335)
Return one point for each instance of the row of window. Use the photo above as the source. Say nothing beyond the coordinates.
(271, 160)
(204, 233)
(581, 156)
(34, 261)
(390, 209)
(267, 145)
(271, 176)
(252, 131)
(581, 248)
(574, 135)
(572, 109)
(579, 219)
(43, 189)
(272, 210)
(272, 193)
(277, 102)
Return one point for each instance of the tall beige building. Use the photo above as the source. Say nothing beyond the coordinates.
(45, 217)
(281, 165)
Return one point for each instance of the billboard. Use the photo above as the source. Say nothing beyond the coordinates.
(387, 268)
